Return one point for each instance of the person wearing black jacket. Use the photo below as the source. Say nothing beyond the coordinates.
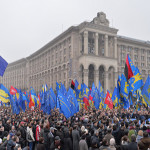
(67, 142)
(46, 137)
(133, 145)
(40, 145)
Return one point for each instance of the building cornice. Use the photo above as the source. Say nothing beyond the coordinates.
(55, 40)
(133, 41)
(23, 60)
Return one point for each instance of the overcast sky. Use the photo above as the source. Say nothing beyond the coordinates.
(27, 25)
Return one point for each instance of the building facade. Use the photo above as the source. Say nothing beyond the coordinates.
(89, 52)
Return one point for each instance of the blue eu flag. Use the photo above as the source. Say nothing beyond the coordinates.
(3, 66)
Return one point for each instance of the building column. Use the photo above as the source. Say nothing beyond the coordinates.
(96, 43)
(86, 79)
(132, 54)
(146, 54)
(116, 78)
(106, 82)
(106, 45)
(85, 42)
(115, 47)
(96, 77)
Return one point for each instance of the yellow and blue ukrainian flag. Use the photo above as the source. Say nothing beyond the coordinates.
(4, 94)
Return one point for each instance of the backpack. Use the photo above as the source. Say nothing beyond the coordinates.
(29, 136)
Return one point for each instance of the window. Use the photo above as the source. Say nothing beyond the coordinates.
(64, 51)
(64, 75)
(69, 51)
(136, 50)
(122, 55)
(65, 43)
(148, 52)
(136, 63)
(142, 64)
(122, 47)
(142, 51)
(122, 62)
(135, 57)
(91, 46)
(142, 58)
(60, 56)
(103, 51)
(129, 49)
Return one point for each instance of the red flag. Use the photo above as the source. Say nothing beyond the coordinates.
(86, 102)
(31, 104)
(39, 101)
(13, 91)
(108, 101)
(128, 71)
(72, 84)
(90, 96)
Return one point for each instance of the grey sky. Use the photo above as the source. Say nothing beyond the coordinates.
(27, 25)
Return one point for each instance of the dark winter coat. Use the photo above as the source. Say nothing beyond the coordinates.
(46, 138)
(133, 146)
(10, 145)
(96, 139)
(83, 145)
(144, 143)
(67, 142)
(40, 146)
(76, 139)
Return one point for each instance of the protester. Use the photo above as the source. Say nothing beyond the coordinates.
(139, 136)
(133, 145)
(144, 143)
(88, 129)
(112, 144)
(30, 137)
(40, 145)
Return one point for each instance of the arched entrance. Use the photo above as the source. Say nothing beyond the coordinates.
(101, 75)
(91, 75)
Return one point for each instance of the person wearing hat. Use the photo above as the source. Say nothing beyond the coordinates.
(56, 144)
(51, 135)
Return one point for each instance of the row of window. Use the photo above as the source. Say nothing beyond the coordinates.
(136, 50)
(136, 57)
(52, 60)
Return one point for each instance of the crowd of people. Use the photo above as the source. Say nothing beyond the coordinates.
(116, 129)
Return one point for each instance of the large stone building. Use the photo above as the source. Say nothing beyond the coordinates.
(89, 52)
